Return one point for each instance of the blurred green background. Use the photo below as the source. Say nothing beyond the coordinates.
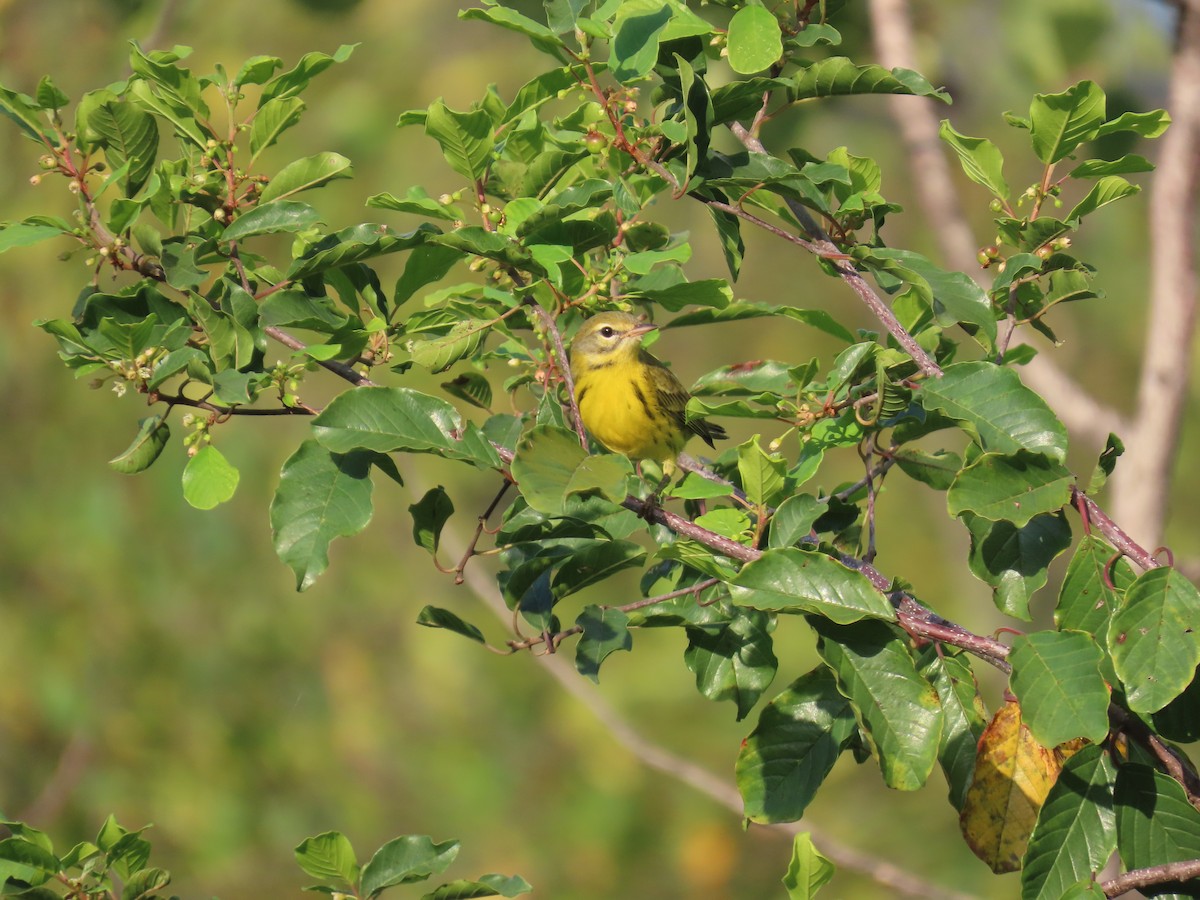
(158, 662)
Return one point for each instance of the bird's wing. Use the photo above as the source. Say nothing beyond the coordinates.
(674, 397)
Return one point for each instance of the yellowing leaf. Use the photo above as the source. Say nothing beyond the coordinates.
(1013, 775)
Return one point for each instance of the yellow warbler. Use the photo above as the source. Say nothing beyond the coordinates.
(629, 401)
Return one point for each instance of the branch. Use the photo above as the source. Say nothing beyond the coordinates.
(1140, 878)
(915, 119)
(341, 369)
(823, 246)
(564, 367)
(1094, 517)
(680, 768)
(916, 619)
(1144, 477)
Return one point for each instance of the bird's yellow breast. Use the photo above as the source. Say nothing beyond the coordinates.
(620, 409)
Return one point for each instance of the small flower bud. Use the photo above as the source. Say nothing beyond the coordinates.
(35, 180)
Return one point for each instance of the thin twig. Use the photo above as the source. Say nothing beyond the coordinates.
(1099, 520)
(564, 367)
(358, 379)
(479, 528)
(227, 411)
(824, 246)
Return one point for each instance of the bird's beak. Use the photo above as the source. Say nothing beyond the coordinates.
(638, 330)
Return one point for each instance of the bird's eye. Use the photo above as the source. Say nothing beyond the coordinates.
(607, 331)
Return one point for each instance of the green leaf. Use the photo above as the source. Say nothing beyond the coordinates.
(953, 296)
(1114, 449)
(1059, 123)
(755, 40)
(169, 108)
(439, 353)
(1010, 488)
(963, 716)
(1076, 829)
(799, 736)
(485, 886)
(355, 244)
(808, 870)
(257, 70)
(1148, 124)
(1179, 720)
(179, 263)
(208, 478)
(1013, 560)
(48, 96)
(991, 404)
(792, 580)
(426, 264)
(634, 47)
(839, 76)
(1126, 165)
(762, 473)
(1056, 677)
(173, 82)
(272, 120)
(1155, 822)
(418, 202)
(897, 709)
(26, 861)
(128, 134)
(561, 15)
(23, 110)
(146, 884)
(305, 175)
(153, 434)
(470, 387)
(465, 138)
(328, 856)
(1086, 601)
(1153, 639)
(605, 631)
(546, 462)
(709, 292)
(436, 617)
(539, 35)
(321, 496)
(937, 469)
(389, 419)
(296, 80)
(733, 660)
(980, 159)
(300, 310)
(404, 860)
(594, 563)
(24, 234)
(1107, 190)
(430, 514)
(794, 519)
(271, 218)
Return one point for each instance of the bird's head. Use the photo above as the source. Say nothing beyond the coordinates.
(610, 335)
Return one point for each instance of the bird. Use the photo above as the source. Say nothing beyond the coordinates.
(629, 401)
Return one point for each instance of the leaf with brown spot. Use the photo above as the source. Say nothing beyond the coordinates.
(1013, 775)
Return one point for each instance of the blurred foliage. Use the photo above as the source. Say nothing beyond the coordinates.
(163, 668)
